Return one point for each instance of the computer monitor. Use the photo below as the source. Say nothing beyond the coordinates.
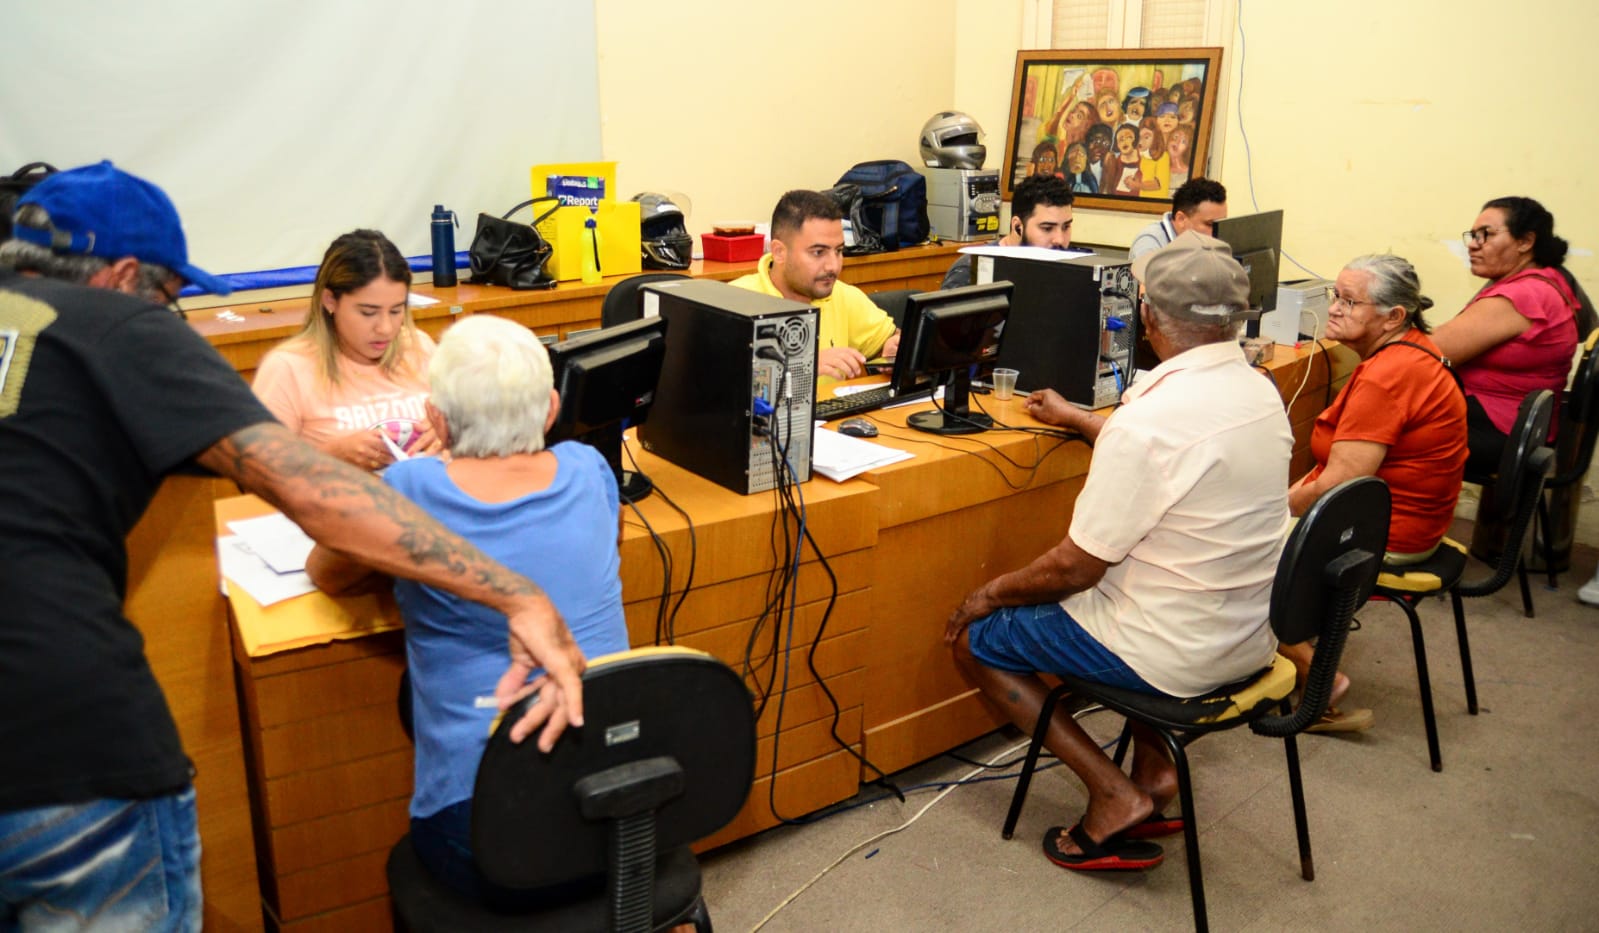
(606, 380)
(1257, 244)
(944, 337)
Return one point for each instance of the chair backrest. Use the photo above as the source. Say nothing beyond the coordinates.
(1529, 432)
(1537, 464)
(1329, 567)
(1579, 418)
(670, 721)
(622, 301)
(1349, 519)
(893, 302)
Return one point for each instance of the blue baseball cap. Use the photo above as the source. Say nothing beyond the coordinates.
(100, 210)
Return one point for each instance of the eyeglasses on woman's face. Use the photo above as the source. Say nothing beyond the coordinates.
(1479, 236)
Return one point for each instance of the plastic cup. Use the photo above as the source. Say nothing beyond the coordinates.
(1004, 383)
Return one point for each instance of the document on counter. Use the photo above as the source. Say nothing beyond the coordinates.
(276, 540)
(419, 301)
(245, 568)
(839, 457)
(1026, 252)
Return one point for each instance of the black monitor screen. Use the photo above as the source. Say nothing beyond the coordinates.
(605, 379)
(945, 337)
(1257, 244)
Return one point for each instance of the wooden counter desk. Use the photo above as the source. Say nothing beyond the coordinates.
(558, 311)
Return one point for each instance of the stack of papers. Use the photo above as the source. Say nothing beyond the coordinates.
(839, 457)
(266, 557)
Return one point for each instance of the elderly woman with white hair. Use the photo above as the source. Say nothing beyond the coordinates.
(550, 514)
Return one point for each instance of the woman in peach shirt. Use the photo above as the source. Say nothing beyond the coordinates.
(354, 380)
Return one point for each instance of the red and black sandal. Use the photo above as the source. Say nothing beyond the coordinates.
(1114, 854)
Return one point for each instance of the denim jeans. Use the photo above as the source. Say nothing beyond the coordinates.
(101, 865)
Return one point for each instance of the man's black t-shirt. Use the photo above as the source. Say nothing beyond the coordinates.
(101, 396)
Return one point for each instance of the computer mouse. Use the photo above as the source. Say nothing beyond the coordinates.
(857, 427)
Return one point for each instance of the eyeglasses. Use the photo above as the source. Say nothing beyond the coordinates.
(1478, 236)
(1333, 298)
(171, 297)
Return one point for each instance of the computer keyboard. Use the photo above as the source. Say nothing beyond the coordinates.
(843, 406)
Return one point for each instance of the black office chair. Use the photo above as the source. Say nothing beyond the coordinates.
(665, 757)
(1511, 500)
(893, 302)
(623, 302)
(1327, 570)
(1576, 433)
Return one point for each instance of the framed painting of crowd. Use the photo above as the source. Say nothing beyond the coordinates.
(1124, 127)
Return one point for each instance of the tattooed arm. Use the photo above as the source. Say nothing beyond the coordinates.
(357, 516)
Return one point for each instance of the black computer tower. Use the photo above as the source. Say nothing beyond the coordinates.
(1073, 324)
(726, 348)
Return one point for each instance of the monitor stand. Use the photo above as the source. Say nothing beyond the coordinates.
(632, 485)
(956, 417)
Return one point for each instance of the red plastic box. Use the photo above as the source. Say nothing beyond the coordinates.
(733, 248)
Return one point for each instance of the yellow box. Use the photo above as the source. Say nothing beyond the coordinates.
(619, 239)
(618, 224)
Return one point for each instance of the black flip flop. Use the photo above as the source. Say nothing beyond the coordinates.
(1114, 854)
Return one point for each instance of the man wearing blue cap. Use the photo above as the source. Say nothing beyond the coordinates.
(101, 396)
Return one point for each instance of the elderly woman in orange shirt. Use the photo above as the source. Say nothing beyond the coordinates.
(1401, 417)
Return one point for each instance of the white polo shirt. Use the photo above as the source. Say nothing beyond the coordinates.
(1187, 500)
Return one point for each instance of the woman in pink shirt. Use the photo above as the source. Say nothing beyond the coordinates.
(1521, 330)
(354, 380)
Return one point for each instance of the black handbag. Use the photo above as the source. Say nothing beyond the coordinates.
(852, 203)
(511, 254)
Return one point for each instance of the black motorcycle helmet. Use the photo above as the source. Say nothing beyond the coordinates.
(662, 236)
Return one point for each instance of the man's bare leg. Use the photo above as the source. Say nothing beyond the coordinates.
(1301, 654)
(1115, 802)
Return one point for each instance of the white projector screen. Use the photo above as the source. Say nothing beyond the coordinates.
(277, 126)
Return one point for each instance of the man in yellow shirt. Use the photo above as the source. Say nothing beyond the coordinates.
(807, 255)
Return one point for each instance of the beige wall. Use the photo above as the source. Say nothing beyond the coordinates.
(1374, 125)
(735, 103)
(1384, 126)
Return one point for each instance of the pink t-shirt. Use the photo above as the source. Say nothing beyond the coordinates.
(1538, 358)
(289, 382)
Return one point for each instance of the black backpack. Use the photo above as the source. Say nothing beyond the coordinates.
(14, 186)
(852, 204)
(894, 201)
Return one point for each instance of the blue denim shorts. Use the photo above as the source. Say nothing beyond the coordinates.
(102, 864)
(1044, 637)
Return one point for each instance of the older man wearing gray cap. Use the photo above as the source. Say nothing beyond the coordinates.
(1163, 581)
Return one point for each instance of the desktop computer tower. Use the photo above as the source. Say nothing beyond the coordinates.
(963, 203)
(1073, 324)
(726, 348)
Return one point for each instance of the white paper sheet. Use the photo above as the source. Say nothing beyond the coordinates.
(245, 568)
(276, 540)
(1026, 252)
(840, 457)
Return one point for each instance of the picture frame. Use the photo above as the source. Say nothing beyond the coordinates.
(1059, 96)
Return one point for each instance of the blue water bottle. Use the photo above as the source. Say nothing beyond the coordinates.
(444, 223)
